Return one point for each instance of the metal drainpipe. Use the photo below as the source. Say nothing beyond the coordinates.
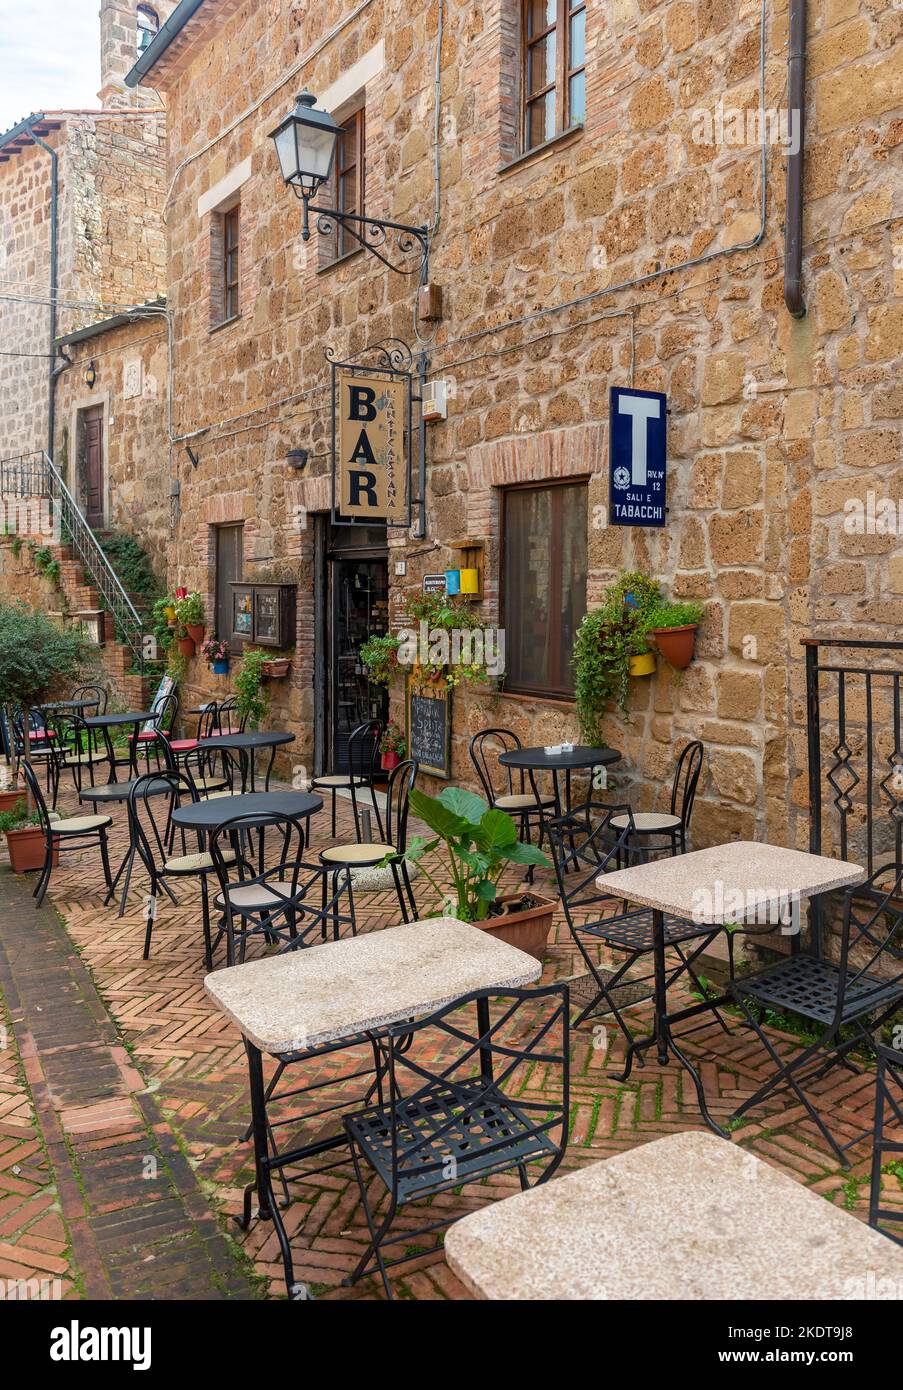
(54, 260)
(796, 102)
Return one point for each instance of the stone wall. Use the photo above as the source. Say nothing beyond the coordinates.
(631, 251)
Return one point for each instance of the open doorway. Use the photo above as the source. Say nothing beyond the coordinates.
(356, 607)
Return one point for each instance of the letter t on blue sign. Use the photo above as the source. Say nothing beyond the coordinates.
(637, 450)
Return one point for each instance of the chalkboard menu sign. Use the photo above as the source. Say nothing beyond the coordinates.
(429, 728)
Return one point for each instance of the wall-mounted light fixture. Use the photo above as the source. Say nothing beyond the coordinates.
(90, 375)
(297, 458)
(305, 142)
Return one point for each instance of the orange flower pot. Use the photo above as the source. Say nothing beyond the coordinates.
(676, 644)
(186, 646)
(9, 800)
(26, 849)
(196, 632)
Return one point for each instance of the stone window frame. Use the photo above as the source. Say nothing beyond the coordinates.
(341, 245)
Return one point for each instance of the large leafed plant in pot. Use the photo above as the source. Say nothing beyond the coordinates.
(480, 843)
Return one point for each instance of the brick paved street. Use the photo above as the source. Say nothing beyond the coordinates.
(131, 1072)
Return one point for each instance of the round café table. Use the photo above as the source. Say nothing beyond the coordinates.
(578, 759)
(113, 792)
(204, 816)
(59, 706)
(246, 746)
(104, 723)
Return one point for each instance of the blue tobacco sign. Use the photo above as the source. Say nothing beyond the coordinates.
(637, 449)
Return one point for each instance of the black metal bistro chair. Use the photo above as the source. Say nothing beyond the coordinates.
(164, 715)
(582, 851)
(78, 750)
(211, 773)
(510, 789)
(93, 695)
(848, 998)
(670, 827)
(339, 859)
(64, 834)
(42, 743)
(459, 1112)
(363, 758)
(283, 903)
(228, 720)
(153, 834)
(207, 726)
(888, 1137)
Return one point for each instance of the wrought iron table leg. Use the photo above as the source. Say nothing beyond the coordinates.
(268, 1208)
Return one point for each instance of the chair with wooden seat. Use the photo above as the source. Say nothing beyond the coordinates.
(279, 903)
(367, 855)
(671, 827)
(78, 749)
(66, 834)
(510, 789)
(208, 780)
(152, 831)
(363, 756)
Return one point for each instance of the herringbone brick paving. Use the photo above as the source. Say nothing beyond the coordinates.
(192, 1064)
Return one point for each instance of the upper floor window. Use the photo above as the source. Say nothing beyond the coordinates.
(347, 187)
(554, 68)
(148, 25)
(231, 222)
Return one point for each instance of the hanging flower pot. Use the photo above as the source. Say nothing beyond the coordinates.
(186, 646)
(169, 612)
(221, 668)
(195, 632)
(276, 668)
(676, 644)
(643, 664)
(388, 761)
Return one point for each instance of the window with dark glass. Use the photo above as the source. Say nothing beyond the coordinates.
(347, 187)
(543, 585)
(554, 68)
(230, 262)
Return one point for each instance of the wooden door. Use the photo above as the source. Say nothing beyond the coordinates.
(229, 557)
(93, 466)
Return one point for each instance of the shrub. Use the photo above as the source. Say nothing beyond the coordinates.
(34, 654)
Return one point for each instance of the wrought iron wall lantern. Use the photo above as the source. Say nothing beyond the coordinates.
(306, 145)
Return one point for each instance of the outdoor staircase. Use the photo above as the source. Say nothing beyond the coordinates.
(87, 582)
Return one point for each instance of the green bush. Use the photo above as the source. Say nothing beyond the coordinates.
(34, 654)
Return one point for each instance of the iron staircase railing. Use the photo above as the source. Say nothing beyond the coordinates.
(36, 476)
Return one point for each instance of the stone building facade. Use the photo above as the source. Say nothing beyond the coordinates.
(110, 240)
(644, 246)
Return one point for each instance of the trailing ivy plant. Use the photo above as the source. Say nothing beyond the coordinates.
(252, 700)
(606, 640)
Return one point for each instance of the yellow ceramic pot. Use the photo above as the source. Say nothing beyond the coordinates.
(642, 665)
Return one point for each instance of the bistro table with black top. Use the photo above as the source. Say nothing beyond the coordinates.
(310, 1003)
(246, 746)
(105, 723)
(60, 706)
(580, 758)
(117, 792)
(205, 816)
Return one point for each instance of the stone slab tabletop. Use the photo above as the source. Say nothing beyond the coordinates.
(326, 992)
(708, 885)
(691, 1216)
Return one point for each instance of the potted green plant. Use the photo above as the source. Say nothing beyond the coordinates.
(611, 646)
(252, 701)
(435, 616)
(480, 843)
(216, 653)
(24, 838)
(190, 614)
(379, 658)
(674, 626)
(392, 746)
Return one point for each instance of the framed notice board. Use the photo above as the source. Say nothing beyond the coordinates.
(429, 728)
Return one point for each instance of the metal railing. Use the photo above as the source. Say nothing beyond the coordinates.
(855, 749)
(35, 475)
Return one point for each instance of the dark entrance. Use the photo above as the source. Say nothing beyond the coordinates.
(357, 607)
(92, 464)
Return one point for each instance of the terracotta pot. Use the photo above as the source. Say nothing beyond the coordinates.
(388, 761)
(275, 670)
(195, 632)
(26, 849)
(10, 799)
(676, 644)
(186, 646)
(643, 664)
(528, 929)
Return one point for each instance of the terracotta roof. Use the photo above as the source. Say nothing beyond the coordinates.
(20, 135)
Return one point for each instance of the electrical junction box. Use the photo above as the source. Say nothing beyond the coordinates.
(435, 400)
